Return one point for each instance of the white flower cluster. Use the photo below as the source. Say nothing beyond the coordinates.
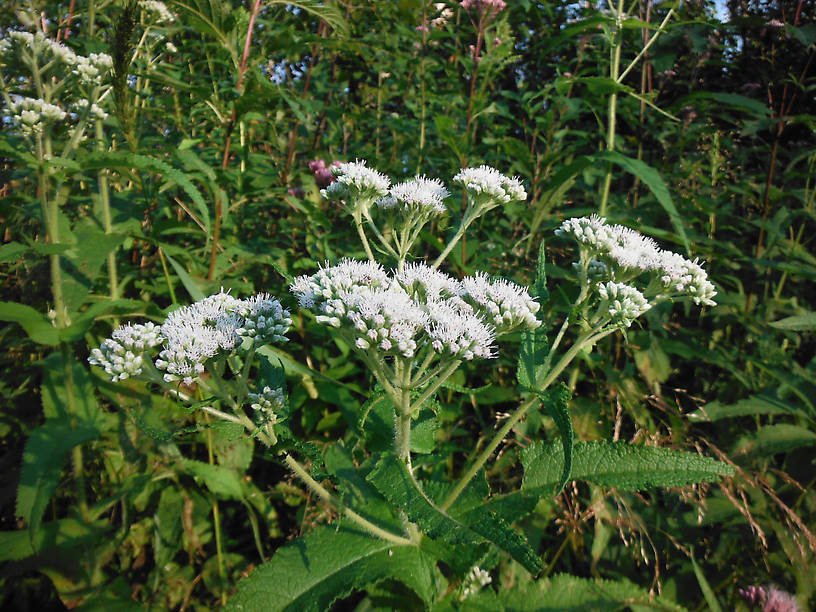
(420, 195)
(355, 181)
(419, 307)
(268, 403)
(475, 581)
(485, 183)
(94, 111)
(93, 68)
(32, 114)
(630, 252)
(122, 355)
(159, 10)
(507, 306)
(624, 302)
(193, 334)
(90, 69)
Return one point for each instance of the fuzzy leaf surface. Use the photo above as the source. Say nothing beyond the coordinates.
(309, 574)
(617, 464)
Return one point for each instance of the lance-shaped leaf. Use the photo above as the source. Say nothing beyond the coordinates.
(555, 403)
(309, 574)
(617, 464)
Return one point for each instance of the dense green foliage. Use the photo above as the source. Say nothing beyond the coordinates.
(119, 496)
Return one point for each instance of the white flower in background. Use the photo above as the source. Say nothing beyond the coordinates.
(38, 44)
(32, 114)
(474, 582)
(81, 106)
(419, 195)
(488, 184)
(504, 304)
(123, 354)
(268, 403)
(628, 252)
(193, 334)
(93, 69)
(170, 47)
(158, 9)
(624, 302)
(356, 182)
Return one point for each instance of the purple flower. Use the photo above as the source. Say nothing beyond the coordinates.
(322, 173)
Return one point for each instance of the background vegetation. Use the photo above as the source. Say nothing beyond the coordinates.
(203, 164)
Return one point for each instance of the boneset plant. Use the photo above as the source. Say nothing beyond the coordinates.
(440, 532)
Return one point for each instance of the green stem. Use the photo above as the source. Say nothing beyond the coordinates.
(438, 382)
(219, 546)
(587, 339)
(459, 233)
(358, 223)
(104, 198)
(326, 496)
(615, 55)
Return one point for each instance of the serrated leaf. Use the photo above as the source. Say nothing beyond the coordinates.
(772, 439)
(499, 532)
(534, 345)
(618, 464)
(563, 592)
(555, 402)
(461, 546)
(43, 459)
(64, 533)
(309, 574)
(35, 324)
(12, 251)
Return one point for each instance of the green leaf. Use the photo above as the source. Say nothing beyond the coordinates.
(43, 459)
(563, 592)
(327, 11)
(805, 322)
(534, 346)
(763, 403)
(499, 532)
(772, 439)
(555, 402)
(67, 393)
(749, 105)
(36, 325)
(64, 533)
(221, 480)
(309, 574)
(12, 251)
(655, 183)
(189, 284)
(423, 432)
(130, 161)
(705, 587)
(617, 464)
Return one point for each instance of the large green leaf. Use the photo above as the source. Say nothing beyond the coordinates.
(64, 533)
(221, 480)
(617, 464)
(563, 592)
(803, 322)
(534, 346)
(43, 459)
(555, 402)
(35, 324)
(309, 574)
(395, 483)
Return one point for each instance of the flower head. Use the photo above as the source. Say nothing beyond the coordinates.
(158, 10)
(420, 195)
(485, 184)
(268, 403)
(356, 183)
(623, 302)
(122, 355)
(506, 305)
(34, 114)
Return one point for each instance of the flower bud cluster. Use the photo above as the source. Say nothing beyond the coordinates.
(264, 319)
(624, 302)
(421, 196)
(192, 335)
(32, 114)
(485, 184)
(268, 403)
(90, 69)
(122, 355)
(356, 183)
(629, 253)
(419, 307)
(475, 580)
(94, 111)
